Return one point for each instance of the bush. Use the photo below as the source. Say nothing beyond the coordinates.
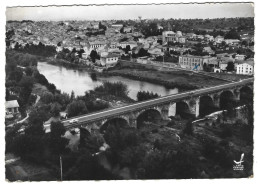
(142, 95)
(76, 108)
(226, 132)
(155, 130)
(47, 97)
(188, 130)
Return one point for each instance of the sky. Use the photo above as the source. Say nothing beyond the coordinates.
(108, 12)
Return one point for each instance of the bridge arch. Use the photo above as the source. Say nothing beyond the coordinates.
(246, 95)
(119, 122)
(206, 105)
(148, 115)
(183, 109)
(226, 100)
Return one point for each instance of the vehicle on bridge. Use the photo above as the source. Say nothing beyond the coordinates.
(74, 121)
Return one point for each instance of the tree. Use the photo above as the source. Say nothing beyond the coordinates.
(87, 167)
(232, 34)
(63, 99)
(38, 117)
(230, 66)
(142, 95)
(142, 52)
(72, 96)
(77, 107)
(93, 55)
(127, 49)
(47, 97)
(188, 130)
(57, 142)
(28, 71)
(55, 109)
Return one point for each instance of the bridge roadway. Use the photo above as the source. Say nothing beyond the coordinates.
(135, 106)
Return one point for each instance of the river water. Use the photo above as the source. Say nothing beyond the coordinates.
(79, 81)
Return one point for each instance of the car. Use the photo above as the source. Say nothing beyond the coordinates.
(74, 121)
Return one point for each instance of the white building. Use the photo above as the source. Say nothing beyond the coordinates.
(245, 67)
(191, 62)
(219, 39)
(109, 60)
(11, 107)
(168, 36)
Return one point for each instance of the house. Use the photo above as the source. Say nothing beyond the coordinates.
(209, 37)
(96, 44)
(232, 41)
(128, 29)
(132, 44)
(11, 107)
(181, 39)
(219, 39)
(190, 35)
(240, 57)
(245, 67)
(168, 36)
(109, 60)
(223, 65)
(208, 50)
(156, 52)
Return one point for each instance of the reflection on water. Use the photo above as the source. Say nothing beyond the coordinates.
(80, 81)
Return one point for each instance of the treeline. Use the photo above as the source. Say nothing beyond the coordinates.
(40, 49)
(116, 89)
(15, 58)
(20, 80)
(89, 103)
(146, 95)
(71, 56)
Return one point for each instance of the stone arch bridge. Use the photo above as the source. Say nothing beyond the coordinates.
(182, 103)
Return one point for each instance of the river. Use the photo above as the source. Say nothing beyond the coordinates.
(79, 81)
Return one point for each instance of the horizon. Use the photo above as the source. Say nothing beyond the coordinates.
(126, 12)
(127, 19)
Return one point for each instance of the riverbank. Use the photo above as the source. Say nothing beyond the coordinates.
(183, 80)
(170, 79)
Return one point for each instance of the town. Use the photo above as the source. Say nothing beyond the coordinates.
(129, 99)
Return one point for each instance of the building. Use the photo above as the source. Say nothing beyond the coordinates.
(11, 107)
(219, 39)
(245, 67)
(240, 57)
(182, 39)
(109, 60)
(232, 41)
(168, 36)
(191, 62)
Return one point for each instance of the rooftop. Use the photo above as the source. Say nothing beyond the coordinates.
(11, 104)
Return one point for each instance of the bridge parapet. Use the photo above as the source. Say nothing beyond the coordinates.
(163, 104)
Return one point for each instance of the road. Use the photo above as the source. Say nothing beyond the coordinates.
(128, 108)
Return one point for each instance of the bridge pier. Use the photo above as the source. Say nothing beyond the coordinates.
(194, 105)
(172, 109)
(216, 100)
(236, 93)
(165, 112)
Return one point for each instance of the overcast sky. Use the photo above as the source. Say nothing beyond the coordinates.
(106, 12)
